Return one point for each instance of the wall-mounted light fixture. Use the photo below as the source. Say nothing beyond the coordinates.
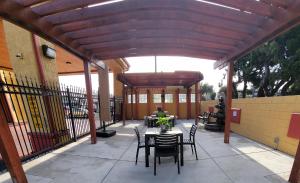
(48, 52)
(20, 56)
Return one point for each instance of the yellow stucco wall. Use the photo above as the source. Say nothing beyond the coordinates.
(264, 119)
(19, 40)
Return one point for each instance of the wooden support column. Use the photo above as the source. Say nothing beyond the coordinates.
(42, 76)
(228, 102)
(136, 103)
(9, 151)
(131, 104)
(197, 100)
(188, 103)
(295, 173)
(163, 99)
(89, 93)
(177, 102)
(124, 93)
(149, 102)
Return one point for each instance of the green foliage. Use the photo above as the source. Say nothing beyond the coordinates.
(273, 68)
(161, 114)
(163, 121)
(213, 96)
(206, 91)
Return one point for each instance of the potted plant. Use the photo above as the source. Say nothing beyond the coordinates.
(164, 124)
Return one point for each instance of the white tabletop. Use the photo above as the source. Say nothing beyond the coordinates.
(156, 131)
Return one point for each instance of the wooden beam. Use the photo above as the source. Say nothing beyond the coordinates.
(124, 94)
(89, 93)
(197, 100)
(188, 103)
(30, 2)
(255, 7)
(24, 17)
(177, 102)
(157, 25)
(295, 173)
(160, 14)
(145, 42)
(159, 33)
(277, 3)
(54, 7)
(272, 28)
(8, 149)
(136, 5)
(149, 102)
(163, 101)
(131, 102)
(167, 51)
(228, 103)
(136, 103)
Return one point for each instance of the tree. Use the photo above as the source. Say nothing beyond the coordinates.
(206, 90)
(213, 96)
(272, 68)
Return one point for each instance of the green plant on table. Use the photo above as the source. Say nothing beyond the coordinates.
(163, 121)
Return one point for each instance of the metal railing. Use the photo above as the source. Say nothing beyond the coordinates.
(43, 118)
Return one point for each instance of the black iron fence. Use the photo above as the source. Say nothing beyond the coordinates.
(43, 118)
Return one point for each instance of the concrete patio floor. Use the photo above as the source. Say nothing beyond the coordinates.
(111, 160)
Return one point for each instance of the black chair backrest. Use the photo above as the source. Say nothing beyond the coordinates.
(166, 141)
(137, 134)
(193, 131)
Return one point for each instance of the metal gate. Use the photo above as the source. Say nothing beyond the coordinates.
(43, 118)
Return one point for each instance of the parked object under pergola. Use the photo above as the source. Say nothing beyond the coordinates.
(221, 30)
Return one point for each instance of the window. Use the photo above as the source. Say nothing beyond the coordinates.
(168, 98)
(129, 99)
(156, 98)
(193, 98)
(143, 98)
(182, 98)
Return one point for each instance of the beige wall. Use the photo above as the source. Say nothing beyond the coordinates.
(264, 119)
(19, 40)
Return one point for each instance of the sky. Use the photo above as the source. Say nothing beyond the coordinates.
(164, 64)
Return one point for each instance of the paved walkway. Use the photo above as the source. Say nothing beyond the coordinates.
(112, 161)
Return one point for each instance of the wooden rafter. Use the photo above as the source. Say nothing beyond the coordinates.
(177, 78)
(160, 14)
(283, 23)
(24, 17)
(173, 41)
(133, 5)
(157, 34)
(156, 25)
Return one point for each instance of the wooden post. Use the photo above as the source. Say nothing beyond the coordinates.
(42, 76)
(124, 104)
(136, 103)
(188, 103)
(228, 102)
(163, 106)
(149, 102)
(131, 103)
(199, 100)
(89, 93)
(196, 100)
(295, 173)
(9, 152)
(177, 102)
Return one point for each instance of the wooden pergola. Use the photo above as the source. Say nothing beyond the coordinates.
(221, 30)
(161, 80)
